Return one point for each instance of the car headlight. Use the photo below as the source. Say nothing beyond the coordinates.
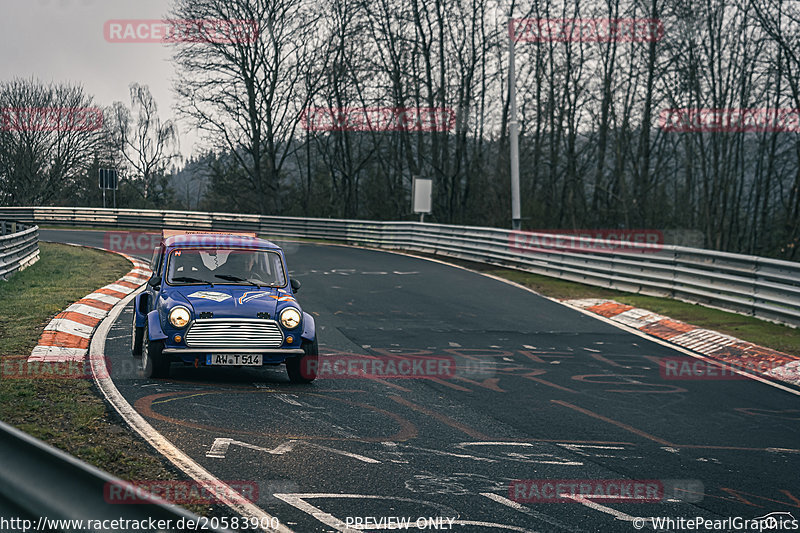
(179, 317)
(290, 318)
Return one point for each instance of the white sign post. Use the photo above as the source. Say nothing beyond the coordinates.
(108, 181)
(421, 191)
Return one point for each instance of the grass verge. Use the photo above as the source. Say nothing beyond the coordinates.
(68, 413)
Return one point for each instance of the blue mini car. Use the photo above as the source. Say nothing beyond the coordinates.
(222, 300)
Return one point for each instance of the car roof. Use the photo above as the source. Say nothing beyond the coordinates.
(217, 240)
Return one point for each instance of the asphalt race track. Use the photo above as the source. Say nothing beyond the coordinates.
(541, 392)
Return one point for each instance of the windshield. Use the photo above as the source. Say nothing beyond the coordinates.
(225, 266)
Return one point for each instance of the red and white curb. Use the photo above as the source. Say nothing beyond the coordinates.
(66, 337)
(724, 348)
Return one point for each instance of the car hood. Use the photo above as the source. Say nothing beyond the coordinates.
(232, 301)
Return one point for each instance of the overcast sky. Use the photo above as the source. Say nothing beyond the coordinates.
(63, 40)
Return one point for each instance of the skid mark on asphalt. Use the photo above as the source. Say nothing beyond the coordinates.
(441, 418)
(407, 430)
(621, 425)
(669, 446)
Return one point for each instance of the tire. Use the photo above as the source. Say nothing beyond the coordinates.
(137, 337)
(154, 363)
(303, 368)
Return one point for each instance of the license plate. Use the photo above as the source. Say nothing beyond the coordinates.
(234, 359)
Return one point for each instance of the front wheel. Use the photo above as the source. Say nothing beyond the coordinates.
(154, 363)
(303, 369)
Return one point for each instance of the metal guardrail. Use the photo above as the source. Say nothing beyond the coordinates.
(47, 488)
(765, 288)
(19, 247)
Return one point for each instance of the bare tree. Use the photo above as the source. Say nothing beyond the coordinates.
(146, 145)
(48, 133)
(247, 92)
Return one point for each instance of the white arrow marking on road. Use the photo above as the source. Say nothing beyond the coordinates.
(220, 448)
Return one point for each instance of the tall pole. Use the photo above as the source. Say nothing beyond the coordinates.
(513, 134)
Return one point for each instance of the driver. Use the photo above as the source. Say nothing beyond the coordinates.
(241, 264)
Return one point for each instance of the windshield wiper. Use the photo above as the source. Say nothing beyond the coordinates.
(187, 279)
(237, 278)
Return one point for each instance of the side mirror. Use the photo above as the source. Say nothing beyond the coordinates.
(154, 281)
(295, 284)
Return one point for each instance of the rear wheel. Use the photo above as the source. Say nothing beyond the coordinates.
(138, 336)
(154, 363)
(303, 369)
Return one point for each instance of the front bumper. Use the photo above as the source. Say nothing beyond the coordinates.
(275, 351)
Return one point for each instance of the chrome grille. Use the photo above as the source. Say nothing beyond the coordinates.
(234, 333)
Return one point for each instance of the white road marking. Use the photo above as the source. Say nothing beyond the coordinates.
(288, 399)
(619, 515)
(298, 500)
(161, 444)
(492, 525)
(346, 454)
(328, 519)
(496, 444)
(782, 450)
(523, 457)
(586, 450)
(528, 511)
(219, 448)
(221, 445)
